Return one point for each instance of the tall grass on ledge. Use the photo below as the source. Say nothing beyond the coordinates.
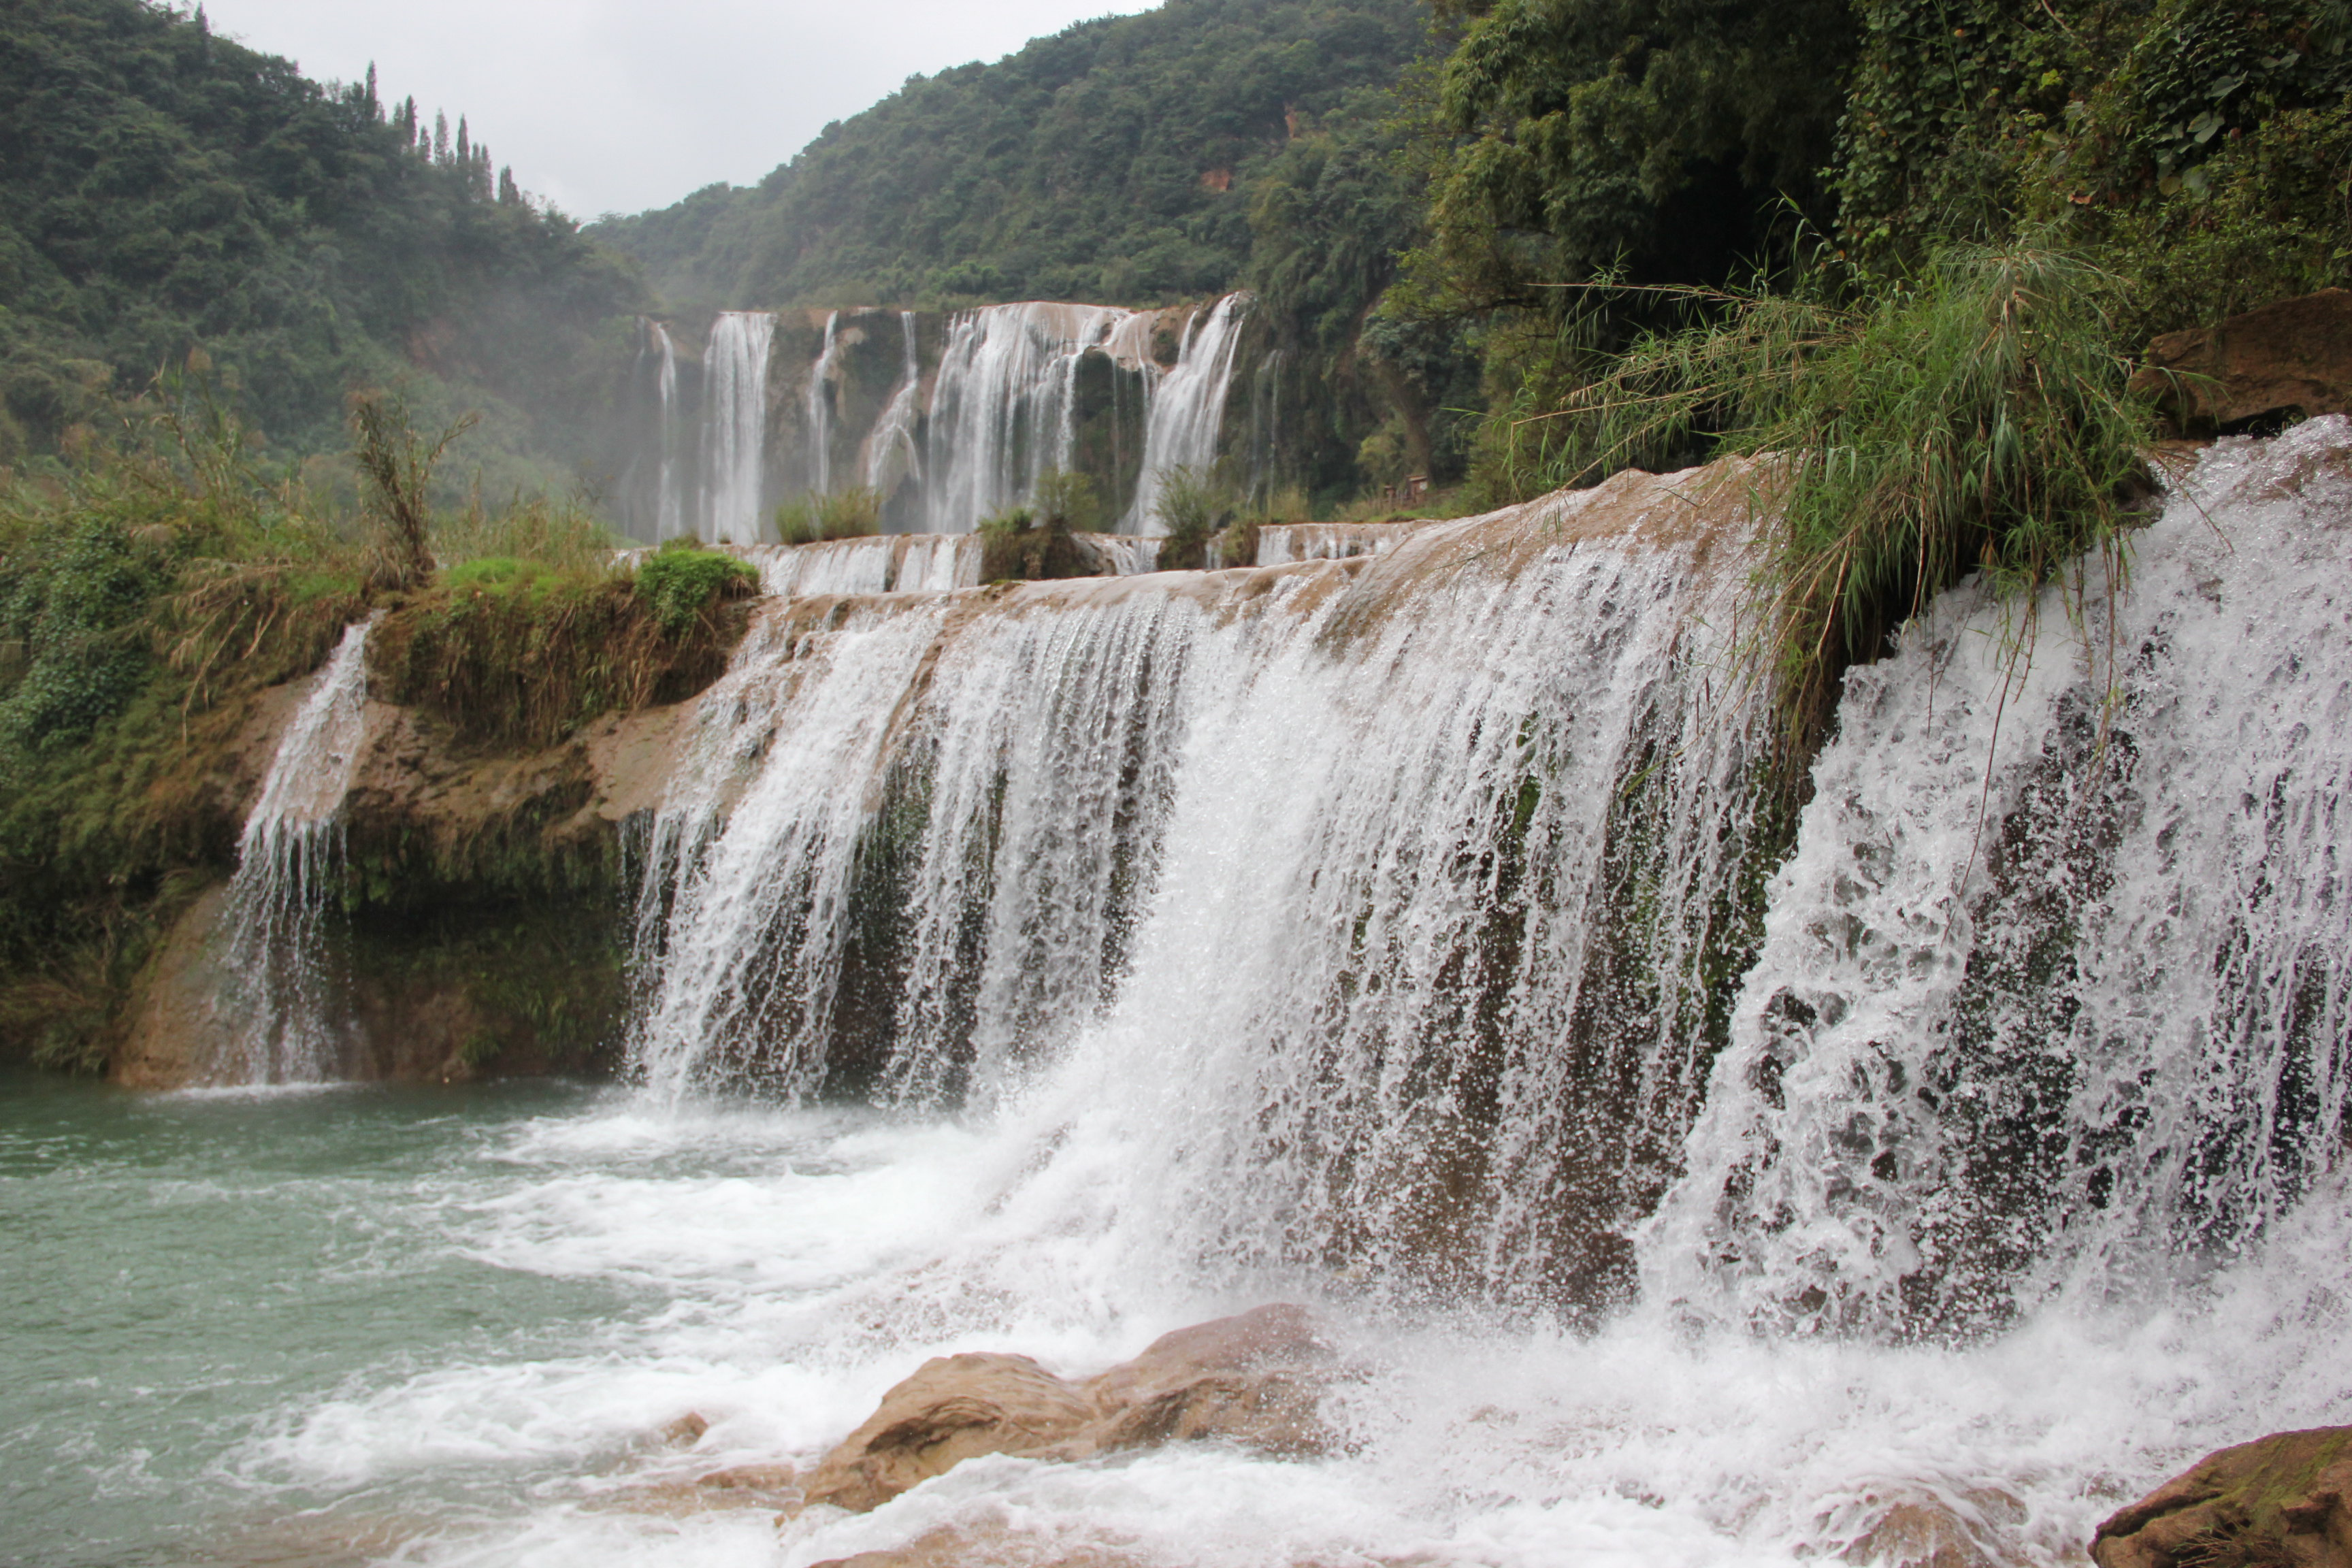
(1973, 417)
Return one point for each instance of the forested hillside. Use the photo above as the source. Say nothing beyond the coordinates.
(1115, 160)
(164, 190)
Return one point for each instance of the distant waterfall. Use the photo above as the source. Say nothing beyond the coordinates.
(890, 452)
(669, 503)
(820, 408)
(1185, 409)
(735, 423)
(288, 862)
(1003, 409)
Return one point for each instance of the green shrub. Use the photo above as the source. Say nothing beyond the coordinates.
(1192, 505)
(682, 580)
(1068, 498)
(854, 513)
(1973, 415)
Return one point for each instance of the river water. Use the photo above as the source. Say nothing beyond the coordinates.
(446, 1327)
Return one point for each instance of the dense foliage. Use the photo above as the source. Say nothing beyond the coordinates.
(1114, 161)
(162, 189)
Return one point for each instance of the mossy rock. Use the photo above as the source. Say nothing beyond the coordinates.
(2282, 1501)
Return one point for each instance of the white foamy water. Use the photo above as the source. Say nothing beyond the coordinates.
(819, 401)
(1280, 543)
(735, 426)
(1184, 410)
(892, 457)
(282, 999)
(783, 1267)
(882, 563)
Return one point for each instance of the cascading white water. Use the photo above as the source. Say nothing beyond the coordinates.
(669, 501)
(891, 457)
(820, 407)
(1002, 410)
(883, 564)
(1400, 824)
(735, 425)
(1280, 543)
(1123, 554)
(1185, 409)
(287, 860)
(2056, 993)
(1402, 924)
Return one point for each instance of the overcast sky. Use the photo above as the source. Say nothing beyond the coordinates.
(619, 105)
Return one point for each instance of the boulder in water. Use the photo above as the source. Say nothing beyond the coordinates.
(954, 1409)
(2283, 1500)
(1255, 1379)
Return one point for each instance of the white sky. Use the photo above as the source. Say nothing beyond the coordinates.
(619, 105)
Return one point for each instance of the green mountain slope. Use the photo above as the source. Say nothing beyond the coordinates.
(1115, 160)
(164, 190)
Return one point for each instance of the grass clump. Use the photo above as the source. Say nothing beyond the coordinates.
(515, 654)
(1027, 544)
(1973, 417)
(1191, 506)
(562, 535)
(682, 580)
(853, 513)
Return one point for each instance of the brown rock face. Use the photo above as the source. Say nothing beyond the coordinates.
(954, 1408)
(1255, 1379)
(2284, 1502)
(2293, 356)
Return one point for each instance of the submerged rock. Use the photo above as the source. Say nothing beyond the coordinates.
(2282, 1501)
(1934, 1530)
(1256, 1379)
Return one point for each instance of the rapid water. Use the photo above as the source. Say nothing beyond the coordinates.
(282, 996)
(1696, 1179)
(1004, 407)
(891, 454)
(670, 507)
(735, 426)
(820, 407)
(1281, 543)
(1184, 410)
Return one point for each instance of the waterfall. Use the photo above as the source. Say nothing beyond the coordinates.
(289, 863)
(2052, 997)
(735, 425)
(890, 453)
(1265, 429)
(1428, 919)
(669, 503)
(1281, 543)
(1330, 849)
(820, 407)
(885, 563)
(1185, 409)
(1003, 408)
